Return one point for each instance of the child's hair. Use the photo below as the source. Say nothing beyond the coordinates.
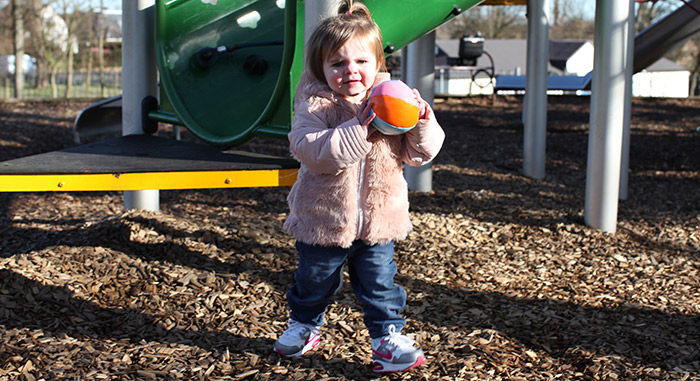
(353, 20)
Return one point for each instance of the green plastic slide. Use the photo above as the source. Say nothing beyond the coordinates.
(228, 68)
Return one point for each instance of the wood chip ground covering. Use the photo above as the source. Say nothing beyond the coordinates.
(505, 280)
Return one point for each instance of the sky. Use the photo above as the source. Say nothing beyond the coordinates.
(588, 8)
(113, 4)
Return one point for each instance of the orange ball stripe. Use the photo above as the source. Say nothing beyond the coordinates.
(394, 111)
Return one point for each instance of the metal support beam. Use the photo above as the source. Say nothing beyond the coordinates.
(418, 71)
(627, 112)
(535, 105)
(139, 81)
(609, 101)
(315, 11)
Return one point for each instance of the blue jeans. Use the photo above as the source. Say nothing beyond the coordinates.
(372, 269)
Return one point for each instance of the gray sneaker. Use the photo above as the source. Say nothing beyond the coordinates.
(298, 339)
(396, 353)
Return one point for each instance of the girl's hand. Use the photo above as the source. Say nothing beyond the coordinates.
(423, 106)
(366, 116)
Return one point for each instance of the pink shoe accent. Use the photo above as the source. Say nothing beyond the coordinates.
(419, 361)
(316, 341)
(386, 356)
(377, 367)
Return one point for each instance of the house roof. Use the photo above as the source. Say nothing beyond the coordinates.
(561, 51)
(510, 56)
(664, 64)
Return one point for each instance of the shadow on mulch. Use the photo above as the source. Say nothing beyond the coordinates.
(117, 236)
(570, 332)
(53, 310)
(564, 330)
(29, 131)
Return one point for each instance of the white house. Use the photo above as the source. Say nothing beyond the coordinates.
(572, 57)
(664, 79)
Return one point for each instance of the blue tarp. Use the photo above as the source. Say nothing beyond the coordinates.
(554, 82)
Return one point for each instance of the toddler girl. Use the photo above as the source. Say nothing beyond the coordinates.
(350, 200)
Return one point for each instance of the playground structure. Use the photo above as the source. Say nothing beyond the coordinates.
(228, 74)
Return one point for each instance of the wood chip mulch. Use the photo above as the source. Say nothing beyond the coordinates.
(505, 280)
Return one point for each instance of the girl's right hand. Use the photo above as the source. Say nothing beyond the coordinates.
(366, 116)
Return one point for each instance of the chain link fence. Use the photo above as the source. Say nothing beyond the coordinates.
(83, 85)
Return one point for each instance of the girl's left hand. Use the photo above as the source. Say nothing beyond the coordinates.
(423, 106)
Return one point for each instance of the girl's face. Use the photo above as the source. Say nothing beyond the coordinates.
(350, 72)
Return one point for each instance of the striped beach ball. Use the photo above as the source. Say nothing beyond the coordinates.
(395, 106)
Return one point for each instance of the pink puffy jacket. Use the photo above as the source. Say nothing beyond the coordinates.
(349, 186)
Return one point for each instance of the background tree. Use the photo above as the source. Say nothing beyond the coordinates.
(648, 12)
(92, 29)
(18, 18)
(510, 22)
(492, 22)
(37, 49)
(93, 24)
(694, 65)
(569, 22)
(54, 37)
(73, 15)
(6, 29)
(101, 47)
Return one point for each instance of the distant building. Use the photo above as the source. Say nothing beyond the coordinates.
(569, 67)
(664, 78)
(112, 25)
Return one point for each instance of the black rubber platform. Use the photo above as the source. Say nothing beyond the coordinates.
(142, 154)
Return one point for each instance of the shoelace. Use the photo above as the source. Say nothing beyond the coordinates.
(399, 341)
